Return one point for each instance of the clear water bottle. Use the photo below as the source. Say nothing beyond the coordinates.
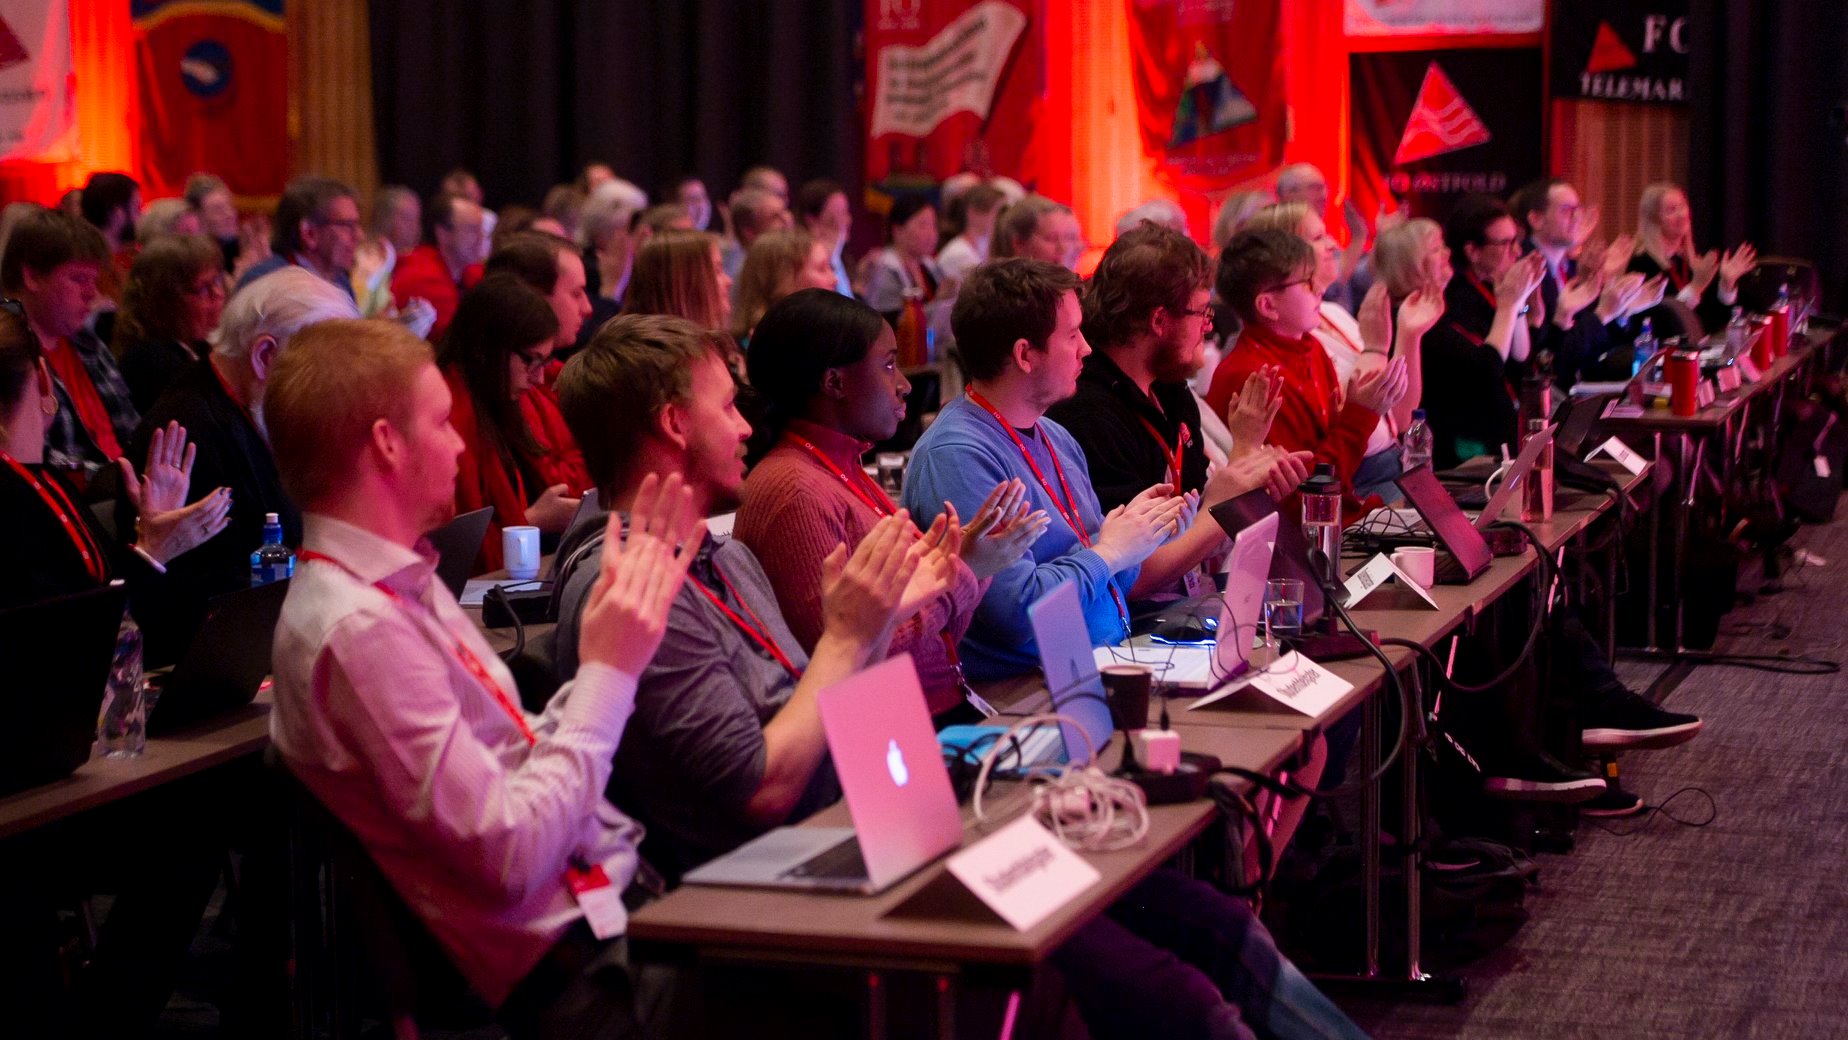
(1417, 441)
(273, 561)
(1643, 350)
(1737, 332)
(122, 726)
(1321, 497)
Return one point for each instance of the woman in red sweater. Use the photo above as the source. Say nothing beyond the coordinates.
(825, 368)
(497, 346)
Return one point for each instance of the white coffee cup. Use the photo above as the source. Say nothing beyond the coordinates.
(1418, 562)
(520, 552)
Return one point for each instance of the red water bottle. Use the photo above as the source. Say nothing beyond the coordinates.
(1684, 382)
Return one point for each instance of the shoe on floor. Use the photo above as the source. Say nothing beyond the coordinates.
(1616, 719)
(1615, 801)
(1542, 778)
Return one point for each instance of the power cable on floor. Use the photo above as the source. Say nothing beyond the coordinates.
(1713, 812)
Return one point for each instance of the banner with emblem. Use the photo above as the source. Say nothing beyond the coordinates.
(1210, 97)
(214, 88)
(1631, 51)
(954, 84)
(1432, 126)
(38, 93)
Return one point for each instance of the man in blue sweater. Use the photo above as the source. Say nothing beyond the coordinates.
(1018, 340)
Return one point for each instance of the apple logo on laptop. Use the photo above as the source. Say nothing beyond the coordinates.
(895, 763)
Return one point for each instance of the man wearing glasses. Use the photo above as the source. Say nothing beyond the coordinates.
(316, 227)
(1268, 277)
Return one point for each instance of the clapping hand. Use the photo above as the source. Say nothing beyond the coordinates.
(1379, 390)
(862, 593)
(1519, 281)
(1705, 266)
(1003, 528)
(639, 575)
(1375, 319)
(1251, 411)
(1137, 528)
(1578, 294)
(165, 528)
(1736, 265)
(1420, 311)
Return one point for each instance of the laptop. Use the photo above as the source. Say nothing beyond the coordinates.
(1077, 689)
(226, 662)
(458, 546)
(57, 653)
(1241, 609)
(1460, 538)
(590, 503)
(897, 788)
(1523, 464)
(1291, 556)
(1577, 418)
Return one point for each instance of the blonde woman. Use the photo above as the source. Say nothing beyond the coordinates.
(779, 263)
(680, 273)
(1707, 282)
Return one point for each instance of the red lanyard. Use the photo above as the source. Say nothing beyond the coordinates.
(864, 489)
(754, 628)
(1679, 272)
(1173, 457)
(1468, 335)
(65, 510)
(1481, 288)
(1068, 508)
(470, 662)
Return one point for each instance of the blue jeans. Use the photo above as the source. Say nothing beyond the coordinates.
(1177, 958)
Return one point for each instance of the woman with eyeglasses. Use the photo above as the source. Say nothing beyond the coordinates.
(496, 349)
(172, 302)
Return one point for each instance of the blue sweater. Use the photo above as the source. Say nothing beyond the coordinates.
(961, 458)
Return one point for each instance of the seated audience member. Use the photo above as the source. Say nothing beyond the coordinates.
(667, 216)
(164, 217)
(437, 269)
(1021, 350)
(112, 205)
(1304, 183)
(1269, 278)
(10, 216)
(780, 263)
(767, 179)
(822, 208)
(1474, 358)
(679, 273)
(172, 302)
(51, 266)
(593, 176)
(316, 227)
(1707, 282)
(211, 198)
(515, 219)
(1575, 338)
(610, 236)
(1145, 317)
(550, 266)
(396, 714)
(1038, 228)
(825, 372)
(690, 192)
(1233, 212)
(1358, 348)
(397, 218)
(906, 263)
(499, 344)
(726, 741)
(54, 545)
(971, 230)
(1164, 212)
(564, 204)
(753, 212)
(220, 401)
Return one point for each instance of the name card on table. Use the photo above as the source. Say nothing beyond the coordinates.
(1292, 682)
(1727, 379)
(1022, 872)
(1620, 451)
(1367, 580)
(1748, 369)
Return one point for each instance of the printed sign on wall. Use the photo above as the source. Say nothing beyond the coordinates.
(1633, 51)
(38, 93)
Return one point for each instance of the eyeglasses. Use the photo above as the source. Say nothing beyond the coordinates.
(1498, 243)
(207, 290)
(535, 363)
(1205, 314)
(1300, 281)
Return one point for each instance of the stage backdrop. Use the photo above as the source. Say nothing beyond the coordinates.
(38, 93)
(953, 85)
(1441, 17)
(214, 86)
(1210, 97)
(1632, 51)
(1432, 126)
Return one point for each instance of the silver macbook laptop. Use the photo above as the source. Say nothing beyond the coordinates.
(898, 795)
(1523, 463)
(1241, 610)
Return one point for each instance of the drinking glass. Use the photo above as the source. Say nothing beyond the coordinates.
(1283, 610)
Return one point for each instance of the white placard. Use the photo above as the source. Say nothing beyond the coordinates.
(1367, 580)
(1747, 369)
(1022, 872)
(1292, 681)
(1620, 451)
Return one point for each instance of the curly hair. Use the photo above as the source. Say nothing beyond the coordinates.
(154, 297)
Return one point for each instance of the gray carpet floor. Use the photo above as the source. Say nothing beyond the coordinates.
(1736, 929)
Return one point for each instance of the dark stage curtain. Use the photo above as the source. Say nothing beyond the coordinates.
(1768, 156)
(523, 93)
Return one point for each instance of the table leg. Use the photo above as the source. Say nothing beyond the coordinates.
(1370, 832)
(875, 1006)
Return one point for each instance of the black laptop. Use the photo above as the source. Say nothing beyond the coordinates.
(226, 663)
(1291, 557)
(57, 655)
(458, 545)
(1456, 533)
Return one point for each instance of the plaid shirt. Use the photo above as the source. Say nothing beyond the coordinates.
(68, 445)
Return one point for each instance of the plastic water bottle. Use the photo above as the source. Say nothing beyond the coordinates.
(1736, 333)
(1644, 349)
(1417, 442)
(273, 561)
(122, 725)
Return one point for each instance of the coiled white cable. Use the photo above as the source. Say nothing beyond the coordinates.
(1083, 806)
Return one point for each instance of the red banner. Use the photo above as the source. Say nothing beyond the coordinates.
(1210, 96)
(955, 85)
(214, 91)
